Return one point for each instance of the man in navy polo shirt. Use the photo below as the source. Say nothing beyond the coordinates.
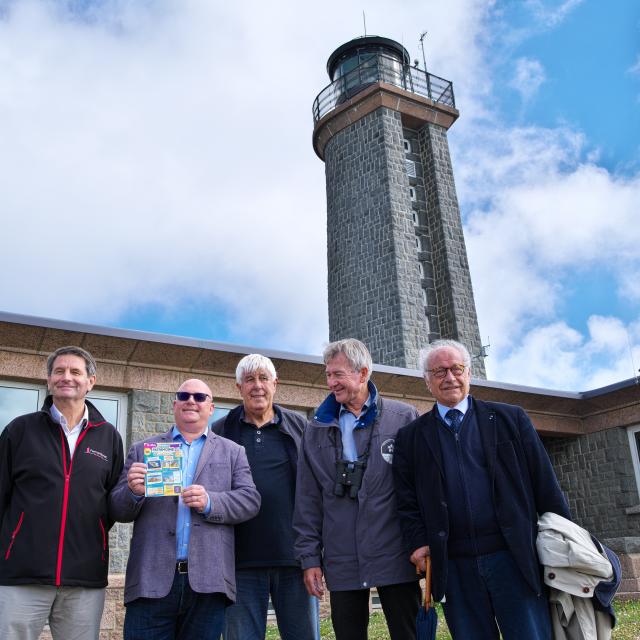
(265, 561)
(471, 478)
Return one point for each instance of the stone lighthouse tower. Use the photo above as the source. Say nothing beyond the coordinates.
(397, 263)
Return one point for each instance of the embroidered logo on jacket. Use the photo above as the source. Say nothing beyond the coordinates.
(97, 454)
(386, 449)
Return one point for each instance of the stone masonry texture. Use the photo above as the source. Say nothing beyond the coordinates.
(455, 306)
(596, 473)
(398, 275)
(373, 277)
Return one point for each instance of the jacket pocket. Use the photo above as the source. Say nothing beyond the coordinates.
(13, 536)
(104, 538)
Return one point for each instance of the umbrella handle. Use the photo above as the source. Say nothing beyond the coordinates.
(427, 583)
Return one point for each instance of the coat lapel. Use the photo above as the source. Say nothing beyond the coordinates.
(488, 433)
(206, 453)
(429, 431)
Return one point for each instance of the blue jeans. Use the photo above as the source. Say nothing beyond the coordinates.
(296, 611)
(182, 614)
(487, 593)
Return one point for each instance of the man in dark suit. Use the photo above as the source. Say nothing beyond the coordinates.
(181, 569)
(471, 478)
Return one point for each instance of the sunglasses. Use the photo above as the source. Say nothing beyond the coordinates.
(183, 396)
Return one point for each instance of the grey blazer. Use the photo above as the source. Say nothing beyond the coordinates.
(224, 472)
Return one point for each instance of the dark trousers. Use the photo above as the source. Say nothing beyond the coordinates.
(487, 597)
(182, 614)
(400, 604)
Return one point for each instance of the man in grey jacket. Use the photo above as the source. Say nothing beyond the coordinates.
(181, 569)
(345, 513)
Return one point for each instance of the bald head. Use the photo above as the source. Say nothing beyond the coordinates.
(192, 413)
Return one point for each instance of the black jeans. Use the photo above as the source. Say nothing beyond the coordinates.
(400, 603)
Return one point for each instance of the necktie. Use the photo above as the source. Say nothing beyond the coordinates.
(454, 416)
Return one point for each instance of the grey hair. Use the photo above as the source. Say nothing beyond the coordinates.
(437, 345)
(89, 360)
(355, 352)
(252, 363)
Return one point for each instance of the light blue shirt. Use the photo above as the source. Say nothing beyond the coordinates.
(190, 456)
(462, 406)
(347, 423)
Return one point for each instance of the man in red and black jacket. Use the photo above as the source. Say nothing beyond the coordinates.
(57, 467)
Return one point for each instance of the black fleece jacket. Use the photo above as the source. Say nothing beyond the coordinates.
(54, 519)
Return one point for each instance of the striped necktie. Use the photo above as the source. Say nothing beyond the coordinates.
(454, 417)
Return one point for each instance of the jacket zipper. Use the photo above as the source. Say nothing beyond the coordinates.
(65, 496)
(13, 536)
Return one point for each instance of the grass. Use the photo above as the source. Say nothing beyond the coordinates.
(627, 627)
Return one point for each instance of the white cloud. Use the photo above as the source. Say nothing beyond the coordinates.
(133, 174)
(157, 152)
(555, 356)
(551, 14)
(528, 77)
(538, 216)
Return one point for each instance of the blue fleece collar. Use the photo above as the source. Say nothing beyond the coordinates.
(329, 411)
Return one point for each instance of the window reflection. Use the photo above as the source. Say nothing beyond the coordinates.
(16, 399)
(108, 408)
(218, 412)
(14, 402)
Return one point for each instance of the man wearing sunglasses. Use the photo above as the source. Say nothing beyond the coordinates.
(471, 479)
(181, 570)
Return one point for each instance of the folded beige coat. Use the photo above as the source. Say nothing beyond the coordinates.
(573, 568)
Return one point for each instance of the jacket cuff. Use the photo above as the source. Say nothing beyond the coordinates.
(310, 561)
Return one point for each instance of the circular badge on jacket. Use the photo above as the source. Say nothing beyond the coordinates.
(386, 449)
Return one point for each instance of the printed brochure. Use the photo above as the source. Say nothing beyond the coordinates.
(164, 469)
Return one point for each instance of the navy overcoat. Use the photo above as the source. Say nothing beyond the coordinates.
(523, 485)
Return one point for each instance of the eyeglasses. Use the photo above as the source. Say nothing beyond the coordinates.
(441, 372)
(183, 396)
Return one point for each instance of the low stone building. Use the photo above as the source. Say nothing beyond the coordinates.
(593, 438)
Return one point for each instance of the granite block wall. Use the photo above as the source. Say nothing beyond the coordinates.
(596, 473)
(398, 275)
(455, 309)
(373, 276)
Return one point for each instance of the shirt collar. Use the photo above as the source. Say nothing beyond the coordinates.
(274, 420)
(462, 406)
(176, 435)
(365, 406)
(61, 420)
